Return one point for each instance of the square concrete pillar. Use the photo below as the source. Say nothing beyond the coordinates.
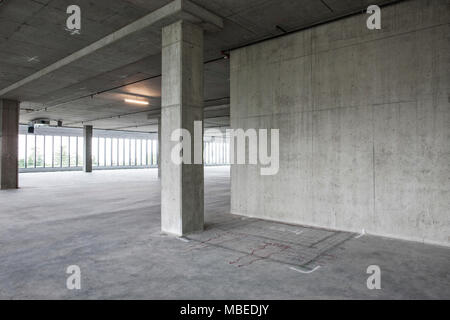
(87, 150)
(159, 148)
(9, 148)
(182, 104)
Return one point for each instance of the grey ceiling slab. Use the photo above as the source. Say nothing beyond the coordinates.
(33, 36)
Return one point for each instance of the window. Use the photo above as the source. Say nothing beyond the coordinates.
(48, 153)
(73, 151)
(39, 151)
(65, 152)
(127, 152)
(95, 151)
(210, 148)
(121, 153)
(138, 152)
(31, 139)
(149, 152)
(114, 152)
(108, 153)
(22, 149)
(57, 151)
(101, 151)
(207, 153)
(133, 152)
(51, 151)
(155, 152)
(144, 152)
(219, 152)
(80, 151)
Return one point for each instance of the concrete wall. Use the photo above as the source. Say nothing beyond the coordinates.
(364, 119)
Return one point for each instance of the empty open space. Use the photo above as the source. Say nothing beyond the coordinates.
(224, 149)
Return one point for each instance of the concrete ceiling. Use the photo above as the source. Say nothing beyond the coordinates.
(92, 89)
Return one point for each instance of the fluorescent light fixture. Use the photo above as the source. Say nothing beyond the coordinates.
(137, 101)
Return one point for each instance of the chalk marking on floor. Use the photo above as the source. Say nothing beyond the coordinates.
(363, 233)
(306, 272)
(297, 232)
(278, 249)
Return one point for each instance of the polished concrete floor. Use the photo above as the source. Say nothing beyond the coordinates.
(108, 223)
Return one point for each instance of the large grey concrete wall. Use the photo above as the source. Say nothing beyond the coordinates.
(364, 119)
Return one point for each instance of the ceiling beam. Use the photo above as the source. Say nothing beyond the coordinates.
(178, 9)
(153, 113)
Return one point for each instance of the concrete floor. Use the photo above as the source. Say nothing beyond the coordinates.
(108, 223)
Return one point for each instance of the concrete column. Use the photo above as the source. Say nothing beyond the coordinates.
(159, 148)
(9, 147)
(182, 104)
(87, 151)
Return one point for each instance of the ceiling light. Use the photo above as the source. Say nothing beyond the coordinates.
(137, 101)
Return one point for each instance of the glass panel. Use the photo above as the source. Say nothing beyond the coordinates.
(73, 151)
(39, 151)
(155, 152)
(80, 151)
(48, 151)
(133, 152)
(95, 151)
(22, 138)
(127, 152)
(101, 150)
(108, 152)
(57, 152)
(217, 153)
(138, 152)
(224, 155)
(149, 152)
(224, 152)
(144, 152)
(114, 152)
(121, 151)
(207, 153)
(211, 150)
(204, 152)
(65, 151)
(30, 151)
